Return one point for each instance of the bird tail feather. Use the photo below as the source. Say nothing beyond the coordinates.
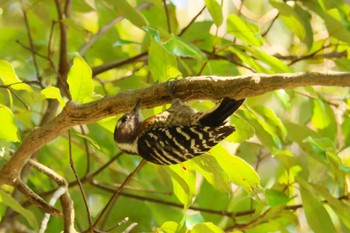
(224, 110)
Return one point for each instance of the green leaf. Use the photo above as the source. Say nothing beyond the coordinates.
(275, 197)
(337, 24)
(53, 93)
(277, 66)
(9, 77)
(129, 12)
(238, 170)
(243, 132)
(88, 20)
(180, 48)
(297, 20)
(284, 97)
(215, 11)
(168, 227)
(206, 227)
(321, 146)
(298, 132)
(272, 120)
(323, 115)
(342, 209)
(162, 64)
(184, 184)
(8, 200)
(211, 170)
(92, 141)
(81, 85)
(9, 129)
(243, 30)
(263, 130)
(315, 212)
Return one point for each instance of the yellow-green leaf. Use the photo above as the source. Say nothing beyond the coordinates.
(8, 200)
(129, 12)
(8, 130)
(215, 11)
(53, 93)
(88, 20)
(244, 30)
(239, 171)
(162, 64)
(206, 227)
(315, 212)
(81, 85)
(9, 77)
(184, 184)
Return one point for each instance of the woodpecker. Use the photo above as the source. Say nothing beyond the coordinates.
(177, 134)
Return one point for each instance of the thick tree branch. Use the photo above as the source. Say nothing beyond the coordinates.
(190, 88)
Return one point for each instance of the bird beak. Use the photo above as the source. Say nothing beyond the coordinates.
(136, 110)
(137, 106)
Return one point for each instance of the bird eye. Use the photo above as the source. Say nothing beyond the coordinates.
(123, 119)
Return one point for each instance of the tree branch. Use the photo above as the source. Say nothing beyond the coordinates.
(190, 88)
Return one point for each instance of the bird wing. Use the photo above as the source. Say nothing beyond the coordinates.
(175, 144)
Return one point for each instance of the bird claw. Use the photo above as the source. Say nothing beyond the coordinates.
(170, 85)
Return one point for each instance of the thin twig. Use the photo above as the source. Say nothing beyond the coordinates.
(167, 16)
(173, 204)
(19, 98)
(117, 192)
(311, 55)
(105, 67)
(271, 24)
(192, 21)
(77, 178)
(87, 150)
(31, 43)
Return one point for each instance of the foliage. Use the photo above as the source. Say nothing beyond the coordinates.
(288, 160)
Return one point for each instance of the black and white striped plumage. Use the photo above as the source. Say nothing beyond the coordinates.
(175, 135)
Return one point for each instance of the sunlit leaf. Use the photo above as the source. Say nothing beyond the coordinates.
(342, 209)
(284, 98)
(81, 85)
(168, 227)
(243, 132)
(162, 64)
(273, 62)
(315, 212)
(245, 31)
(129, 12)
(9, 129)
(272, 120)
(193, 219)
(238, 170)
(321, 146)
(53, 93)
(184, 184)
(215, 11)
(323, 115)
(206, 227)
(9, 201)
(211, 170)
(264, 131)
(8, 77)
(88, 20)
(296, 20)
